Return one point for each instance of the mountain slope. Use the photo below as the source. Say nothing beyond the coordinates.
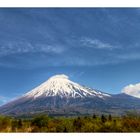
(60, 96)
(60, 85)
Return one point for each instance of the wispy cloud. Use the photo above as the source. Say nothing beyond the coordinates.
(65, 55)
(19, 47)
(3, 100)
(129, 56)
(95, 43)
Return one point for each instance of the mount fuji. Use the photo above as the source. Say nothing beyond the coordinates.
(60, 85)
(61, 96)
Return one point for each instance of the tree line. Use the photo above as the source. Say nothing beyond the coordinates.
(94, 123)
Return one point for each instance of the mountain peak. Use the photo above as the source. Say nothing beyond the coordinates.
(60, 85)
(60, 76)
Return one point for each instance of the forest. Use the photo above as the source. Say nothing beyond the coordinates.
(94, 123)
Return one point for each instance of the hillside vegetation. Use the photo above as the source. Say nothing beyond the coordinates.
(43, 123)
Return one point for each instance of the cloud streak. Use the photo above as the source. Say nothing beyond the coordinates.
(129, 56)
(20, 47)
(58, 55)
(95, 43)
(3, 100)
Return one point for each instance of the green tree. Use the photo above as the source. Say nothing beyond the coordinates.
(110, 117)
(103, 119)
(94, 116)
(14, 125)
(40, 121)
(5, 122)
(65, 130)
(19, 123)
(77, 124)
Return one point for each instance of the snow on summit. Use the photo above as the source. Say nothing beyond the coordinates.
(60, 85)
(61, 76)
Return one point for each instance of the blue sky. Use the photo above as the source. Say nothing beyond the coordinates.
(96, 47)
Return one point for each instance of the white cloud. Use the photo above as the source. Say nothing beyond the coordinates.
(132, 89)
(25, 47)
(95, 43)
(50, 48)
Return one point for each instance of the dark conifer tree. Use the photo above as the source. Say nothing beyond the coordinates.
(110, 117)
(94, 116)
(65, 130)
(103, 119)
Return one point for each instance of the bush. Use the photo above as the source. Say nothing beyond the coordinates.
(40, 121)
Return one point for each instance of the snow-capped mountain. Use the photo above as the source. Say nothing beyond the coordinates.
(60, 85)
(61, 96)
